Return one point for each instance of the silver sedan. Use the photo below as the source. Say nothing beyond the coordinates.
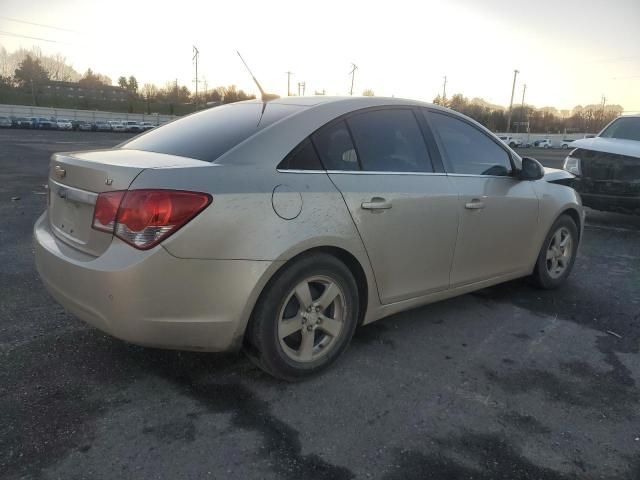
(280, 227)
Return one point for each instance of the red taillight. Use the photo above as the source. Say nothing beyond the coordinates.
(143, 218)
(104, 215)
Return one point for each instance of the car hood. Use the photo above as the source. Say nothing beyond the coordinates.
(555, 174)
(630, 148)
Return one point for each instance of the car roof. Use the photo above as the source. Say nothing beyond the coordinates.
(358, 102)
(316, 112)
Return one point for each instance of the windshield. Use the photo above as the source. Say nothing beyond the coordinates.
(627, 128)
(208, 134)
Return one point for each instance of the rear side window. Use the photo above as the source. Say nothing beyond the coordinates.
(469, 150)
(335, 147)
(390, 140)
(303, 157)
(208, 134)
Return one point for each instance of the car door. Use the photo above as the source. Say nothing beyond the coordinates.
(498, 213)
(404, 209)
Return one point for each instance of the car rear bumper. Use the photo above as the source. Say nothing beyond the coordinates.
(151, 297)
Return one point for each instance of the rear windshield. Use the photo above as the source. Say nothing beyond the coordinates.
(208, 134)
(627, 128)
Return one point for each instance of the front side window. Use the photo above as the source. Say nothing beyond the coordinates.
(468, 150)
(335, 147)
(390, 140)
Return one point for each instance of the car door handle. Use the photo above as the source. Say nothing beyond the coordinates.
(376, 203)
(474, 204)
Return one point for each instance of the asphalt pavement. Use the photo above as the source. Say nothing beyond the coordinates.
(507, 383)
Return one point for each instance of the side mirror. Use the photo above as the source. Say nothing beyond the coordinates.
(531, 169)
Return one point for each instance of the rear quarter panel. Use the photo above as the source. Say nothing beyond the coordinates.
(241, 222)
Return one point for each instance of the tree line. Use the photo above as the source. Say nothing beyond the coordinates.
(29, 71)
(583, 119)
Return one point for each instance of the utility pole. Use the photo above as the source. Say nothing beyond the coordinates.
(513, 90)
(353, 74)
(302, 86)
(524, 89)
(196, 54)
(444, 91)
(288, 83)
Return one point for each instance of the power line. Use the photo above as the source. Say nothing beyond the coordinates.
(288, 83)
(444, 89)
(11, 34)
(353, 74)
(196, 55)
(38, 24)
(513, 90)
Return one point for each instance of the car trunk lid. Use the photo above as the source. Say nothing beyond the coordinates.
(76, 179)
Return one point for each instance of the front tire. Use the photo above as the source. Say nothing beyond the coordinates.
(557, 255)
(304, 319)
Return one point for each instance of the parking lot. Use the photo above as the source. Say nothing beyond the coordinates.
(507, 383)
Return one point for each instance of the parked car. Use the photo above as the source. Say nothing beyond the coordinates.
(103, 126)
(132, 126)
(43, 123)
(86, 126)
(215, 232)
(608, 167)
(62, 124)
(511, 141)
(22, 122)
(545, 143)
(117, 126)
(146, 126)
(5, 122)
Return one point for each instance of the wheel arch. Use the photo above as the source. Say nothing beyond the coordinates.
(575, 216)
(343, 255)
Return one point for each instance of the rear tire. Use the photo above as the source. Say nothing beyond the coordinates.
(557, 255)
(304, 319)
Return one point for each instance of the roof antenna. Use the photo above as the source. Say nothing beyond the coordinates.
(265, 97)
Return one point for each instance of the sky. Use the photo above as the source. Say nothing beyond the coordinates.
(568, 52)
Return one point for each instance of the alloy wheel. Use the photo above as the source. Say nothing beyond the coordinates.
(311, 319)
(559, 252)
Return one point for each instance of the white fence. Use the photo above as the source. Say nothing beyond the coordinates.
(555, 138)
(80, 115)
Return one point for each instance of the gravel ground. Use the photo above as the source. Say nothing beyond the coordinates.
(506, 383)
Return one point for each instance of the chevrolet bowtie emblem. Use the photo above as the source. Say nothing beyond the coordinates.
(59, 171)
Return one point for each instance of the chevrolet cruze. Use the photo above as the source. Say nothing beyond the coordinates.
(279, 227)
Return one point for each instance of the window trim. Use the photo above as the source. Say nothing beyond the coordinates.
(436, 161)
(443, 151)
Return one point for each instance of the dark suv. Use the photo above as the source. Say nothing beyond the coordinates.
(608, 167)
